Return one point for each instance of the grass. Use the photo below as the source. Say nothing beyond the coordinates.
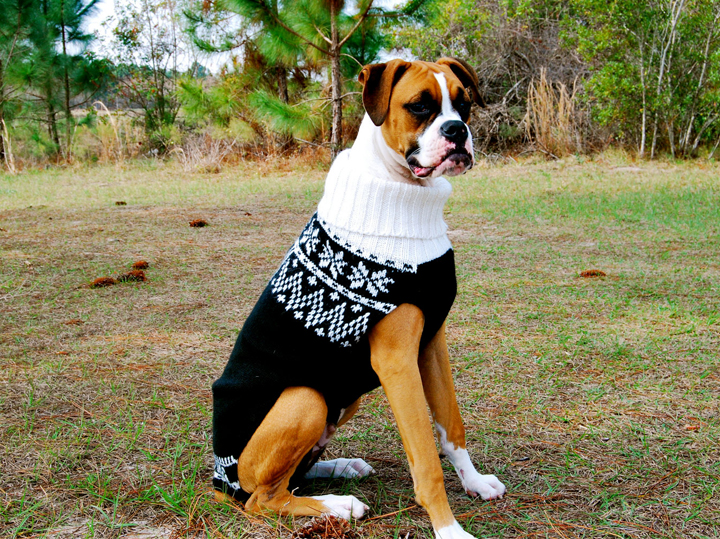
(594, 400)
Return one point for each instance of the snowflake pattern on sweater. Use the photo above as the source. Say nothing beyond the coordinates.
(331, 289)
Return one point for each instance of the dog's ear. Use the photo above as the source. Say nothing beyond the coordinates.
(467, 76)
(378, 81)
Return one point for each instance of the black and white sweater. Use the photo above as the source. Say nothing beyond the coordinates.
(374, 244)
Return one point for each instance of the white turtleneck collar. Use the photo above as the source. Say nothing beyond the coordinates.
(372, 205)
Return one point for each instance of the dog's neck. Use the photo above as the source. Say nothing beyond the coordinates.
(372, 206)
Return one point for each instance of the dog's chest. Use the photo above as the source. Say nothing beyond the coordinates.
(338, 296)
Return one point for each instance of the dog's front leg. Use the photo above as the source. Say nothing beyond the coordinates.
(440, 393)
(394, 347)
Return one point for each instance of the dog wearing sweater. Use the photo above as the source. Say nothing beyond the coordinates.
(360, 301)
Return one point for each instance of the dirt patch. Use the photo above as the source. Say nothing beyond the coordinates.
(198, 223)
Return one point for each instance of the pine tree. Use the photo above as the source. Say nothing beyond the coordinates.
(15, 29)
(316, 31)
(59, 60)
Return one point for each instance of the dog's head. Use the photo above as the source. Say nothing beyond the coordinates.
(422, 109)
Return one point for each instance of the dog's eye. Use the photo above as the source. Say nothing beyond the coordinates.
(463, 108)
(419, 108)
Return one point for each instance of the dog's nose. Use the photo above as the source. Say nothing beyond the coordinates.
(454, 130)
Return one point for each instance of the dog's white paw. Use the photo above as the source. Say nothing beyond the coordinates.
(454, 531)
(488, 487)
(340, 468)
(343, 506)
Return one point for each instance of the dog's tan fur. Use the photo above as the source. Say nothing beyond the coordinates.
(297, 421)
(388, 87)
(412, 378)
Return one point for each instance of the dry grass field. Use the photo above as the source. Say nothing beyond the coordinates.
(594, 399)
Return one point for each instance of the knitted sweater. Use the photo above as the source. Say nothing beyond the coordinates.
(374, 244)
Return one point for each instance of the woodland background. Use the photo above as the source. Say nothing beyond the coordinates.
(559, 77)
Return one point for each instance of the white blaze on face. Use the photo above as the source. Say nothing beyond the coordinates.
(432, 146)
(448, 112)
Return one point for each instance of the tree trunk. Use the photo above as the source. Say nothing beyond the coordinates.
(2, 114)
(714, 148)
(654, 137)
(336, 139)
(52, 127)
(66, 76)
(280, 70)
(157, 105)
(285, 141)
(676, 10)
(2, 136)
(282, 84)
(643, 134)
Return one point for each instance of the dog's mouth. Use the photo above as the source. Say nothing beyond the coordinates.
(455, 162)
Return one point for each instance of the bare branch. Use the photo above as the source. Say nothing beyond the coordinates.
(327, 39)
(357, 24)
(352, 57)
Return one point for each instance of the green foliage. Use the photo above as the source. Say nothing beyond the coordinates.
(654, 69)
(298, 120)
(216, 105)
(15, 29)
(56, 73)
(648, 71)
(364, 46)
(148, 46)
(444, 28)
(285, 52)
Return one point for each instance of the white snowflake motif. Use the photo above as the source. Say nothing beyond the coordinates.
(298, 315)
(281, 298)
(333, 261)
(219, 472)
(334, 296)
(378, 282)
(320, 332)
(311, 241)
(359, 274)
(356, 308)
(312, 280)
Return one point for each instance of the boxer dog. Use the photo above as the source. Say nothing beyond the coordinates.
(359, 301)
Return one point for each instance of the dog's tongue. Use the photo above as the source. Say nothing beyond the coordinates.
(421, 172)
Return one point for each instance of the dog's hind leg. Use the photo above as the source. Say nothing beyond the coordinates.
(339, 468)
(440, 394)
(290, 429)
